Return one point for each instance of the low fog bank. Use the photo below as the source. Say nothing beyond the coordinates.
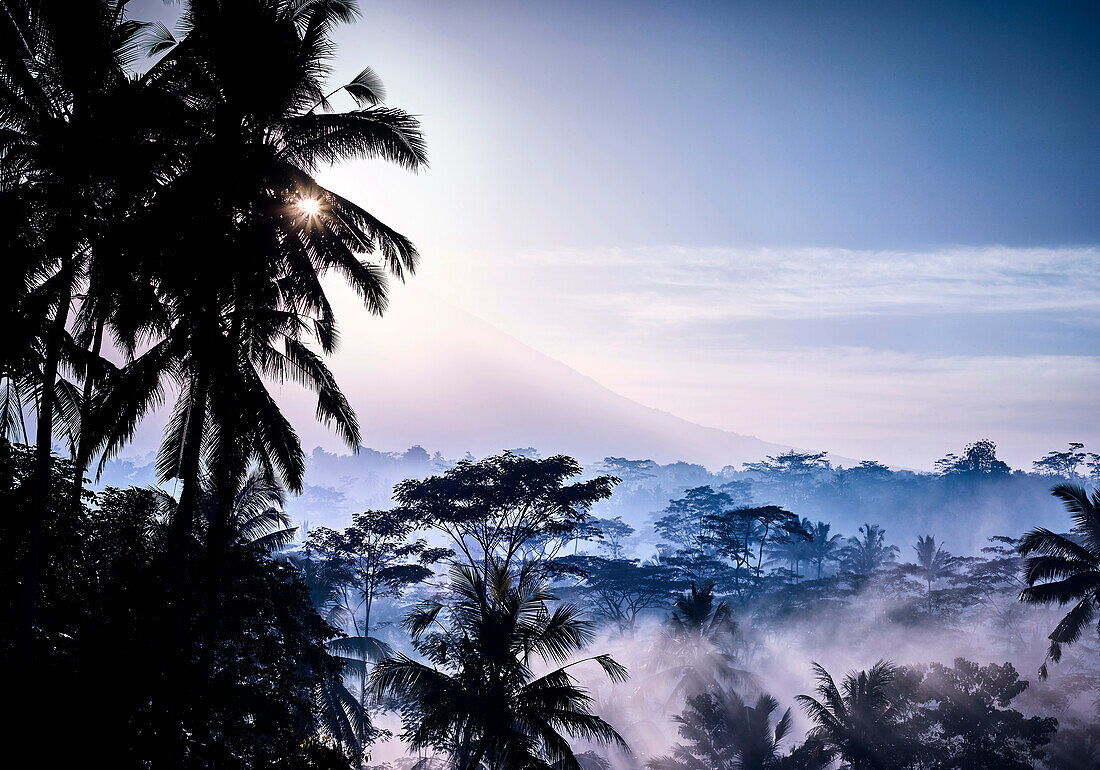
(804, 564)
(773, 654)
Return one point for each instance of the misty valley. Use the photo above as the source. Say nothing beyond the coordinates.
(781, 614)
(678, 319)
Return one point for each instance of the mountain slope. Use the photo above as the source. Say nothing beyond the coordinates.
(430, 374)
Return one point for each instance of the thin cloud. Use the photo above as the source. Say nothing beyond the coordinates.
(676, 284)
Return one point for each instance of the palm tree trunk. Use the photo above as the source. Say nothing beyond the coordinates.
(188, 472)
(229, 424)
(43, 457)
(475, 758)
(226, 475)
(84, 442)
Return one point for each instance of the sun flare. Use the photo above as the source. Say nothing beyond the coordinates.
(311, 207)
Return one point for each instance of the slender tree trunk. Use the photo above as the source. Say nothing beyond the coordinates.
(40, 475)
(368, 595)
(475, 758)
(228, 469)
(226, 474)
(188, 473)
(84, 442)
(760, 551)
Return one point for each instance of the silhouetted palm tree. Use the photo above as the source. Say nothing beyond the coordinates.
(324, 578)
(480, 703)
(856, 721)
(62, 68)
(865, 555)
(341, 716)
(823, 547)
(697, 648)
(794, 550)
(248, 208)
(1067, 568)
(725, 733)
(257, 519)
(933, 563)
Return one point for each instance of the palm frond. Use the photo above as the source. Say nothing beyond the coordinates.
(366, 88)
(365, 648)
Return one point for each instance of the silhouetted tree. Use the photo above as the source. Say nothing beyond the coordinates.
(612, 535)
(866, 554)
(823, 547)
(66, 126)
(619, 590)
(479, 703)
(718, 540)
(698, 646)
(794, 550)
(979, 458)
(687, 520)
(630, 471)
(380, 558)
(791, 475)
(722, 732)
(241, 276)
(857, 721)
(1064, 463)
(933, 563)
(508, 509)
(963, 719)
(693, 544)
(1066, 569)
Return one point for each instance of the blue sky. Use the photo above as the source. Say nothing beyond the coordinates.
(857, 125)
(866, 226)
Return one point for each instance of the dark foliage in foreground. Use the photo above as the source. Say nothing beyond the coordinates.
(162, 233)
(231, 676)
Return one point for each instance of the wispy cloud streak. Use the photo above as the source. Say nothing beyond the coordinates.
(677, 284)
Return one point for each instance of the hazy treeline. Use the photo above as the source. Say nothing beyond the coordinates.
(965, 500)
(962, 507)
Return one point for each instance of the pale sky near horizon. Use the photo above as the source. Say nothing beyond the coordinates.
(869, 227)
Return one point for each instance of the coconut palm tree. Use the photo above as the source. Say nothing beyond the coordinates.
(62, 71)
(480, 703)
(697, 648)
(857, 721)
(725, 733)
(823, 547)
(1065, 569)
(933, 563)
(255, 233)
(62, 74)
(868, 553)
